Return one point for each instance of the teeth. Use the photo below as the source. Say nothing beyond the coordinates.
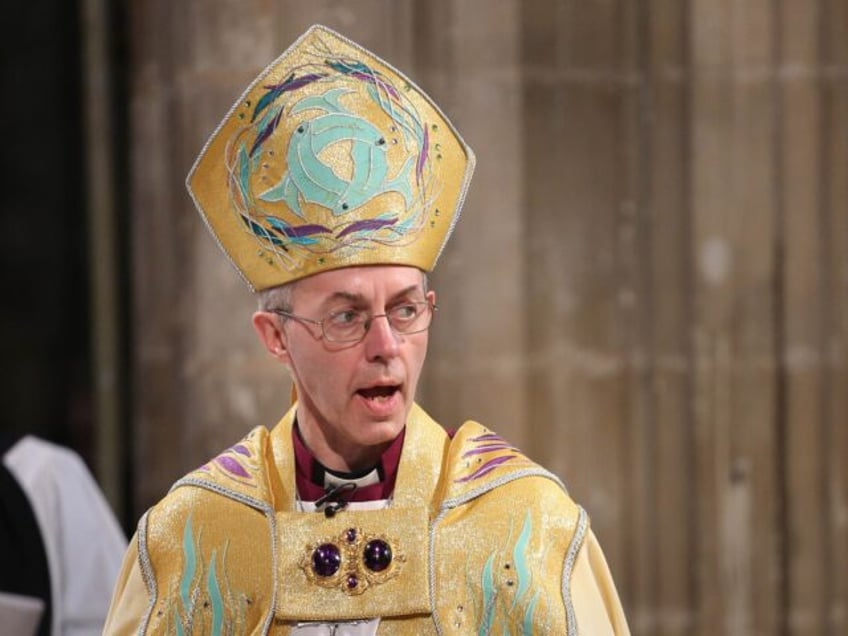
(381, 393)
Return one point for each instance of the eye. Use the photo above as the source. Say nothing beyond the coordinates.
(405, 312)
(346, 317)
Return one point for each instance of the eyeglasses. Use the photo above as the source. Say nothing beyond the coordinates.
(351, 325)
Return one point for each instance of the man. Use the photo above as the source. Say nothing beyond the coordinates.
(333, 185)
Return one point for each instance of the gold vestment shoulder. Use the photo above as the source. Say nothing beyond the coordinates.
(488, 543)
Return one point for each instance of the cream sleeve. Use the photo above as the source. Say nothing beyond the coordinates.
(130, 599)
(596, 603)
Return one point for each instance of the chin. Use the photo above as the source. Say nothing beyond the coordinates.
(381, 432)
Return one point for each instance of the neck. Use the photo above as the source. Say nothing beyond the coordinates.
(348, 460)
(338, 454)
(314, 479)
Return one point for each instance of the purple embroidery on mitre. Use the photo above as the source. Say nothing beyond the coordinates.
(232, 466)
(302, 231)
(291, 83)
(369, 225)
(371, 76)
(265, 133)
(486, 468)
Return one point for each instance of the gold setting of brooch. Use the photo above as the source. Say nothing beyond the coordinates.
(353, 561)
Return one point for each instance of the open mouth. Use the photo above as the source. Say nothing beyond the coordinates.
(379, 393)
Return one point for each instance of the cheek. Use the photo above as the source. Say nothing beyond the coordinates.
(417, 356)
(309, 364)
(332, 372)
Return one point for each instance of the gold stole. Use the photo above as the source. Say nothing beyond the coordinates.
(354, 590)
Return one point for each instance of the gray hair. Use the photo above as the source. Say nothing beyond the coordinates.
(279, 297)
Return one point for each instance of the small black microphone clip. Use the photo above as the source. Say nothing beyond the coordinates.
(334, 499)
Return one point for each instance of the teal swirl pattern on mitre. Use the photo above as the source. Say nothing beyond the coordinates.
(310, 179)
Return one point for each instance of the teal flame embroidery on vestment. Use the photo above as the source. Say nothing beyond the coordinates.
(519, 559)
(215, 599)
(497, 614)
(189, 567)
(178, 623)
(527, 627)
(489, 595)
(221, 611)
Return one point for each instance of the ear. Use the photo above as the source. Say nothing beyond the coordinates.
(270, 332)
(431, 297)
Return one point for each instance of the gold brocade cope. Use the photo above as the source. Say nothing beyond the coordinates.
(331, 158)
(402, 589)
(205, 558)
(482, 541)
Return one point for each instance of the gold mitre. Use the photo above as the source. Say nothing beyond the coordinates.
(330, 158)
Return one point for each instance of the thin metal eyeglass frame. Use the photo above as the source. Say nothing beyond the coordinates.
(432, 308)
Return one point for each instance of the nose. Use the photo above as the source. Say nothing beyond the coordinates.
(381, 340)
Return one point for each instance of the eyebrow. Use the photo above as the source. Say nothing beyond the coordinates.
(405, 292)
(359, 298)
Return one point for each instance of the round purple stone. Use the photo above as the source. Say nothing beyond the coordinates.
(350, 535)
(377, 555)
(352, 582)
(326, 559)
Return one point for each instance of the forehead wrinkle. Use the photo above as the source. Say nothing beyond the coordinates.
(343, 295)
(359, 299)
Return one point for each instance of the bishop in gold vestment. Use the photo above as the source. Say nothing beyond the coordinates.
(332, 185)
